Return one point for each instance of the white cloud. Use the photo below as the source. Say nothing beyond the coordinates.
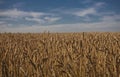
(15, 13)
(77, 27)
(99, 4)
(38, 17)
(85, 12)
(37, 14)
(38, 20)
(111, 18)
(52, 19)
(93, 10)
(4, 25)
(43, 20)
(2, 22)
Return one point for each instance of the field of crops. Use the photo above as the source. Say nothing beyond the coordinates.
(84, 54)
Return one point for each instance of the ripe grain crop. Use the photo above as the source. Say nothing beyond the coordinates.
(87, 54)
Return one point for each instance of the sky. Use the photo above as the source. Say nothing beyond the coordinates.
(59, 16)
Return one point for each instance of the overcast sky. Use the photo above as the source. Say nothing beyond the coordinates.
(59, 15)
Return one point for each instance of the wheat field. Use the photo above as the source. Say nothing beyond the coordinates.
(85, 54)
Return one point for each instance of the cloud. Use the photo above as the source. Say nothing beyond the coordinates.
(52, 19)
(43, 20)
(111, 18)
(2, 22)
(37, 14)
(38, 17)
(76, 27)
(93, 2)
(15, 13)
(93, 10)
(3, 25)
(38, 20)
(84, 12)
(99, 4)
(108, 21)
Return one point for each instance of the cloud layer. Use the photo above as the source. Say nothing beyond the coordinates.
(86, 27)
(88, 19)
(38, 17)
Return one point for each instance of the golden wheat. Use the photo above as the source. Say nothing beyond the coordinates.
(84, 54)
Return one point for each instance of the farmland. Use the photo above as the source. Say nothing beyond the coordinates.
(85, 54)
